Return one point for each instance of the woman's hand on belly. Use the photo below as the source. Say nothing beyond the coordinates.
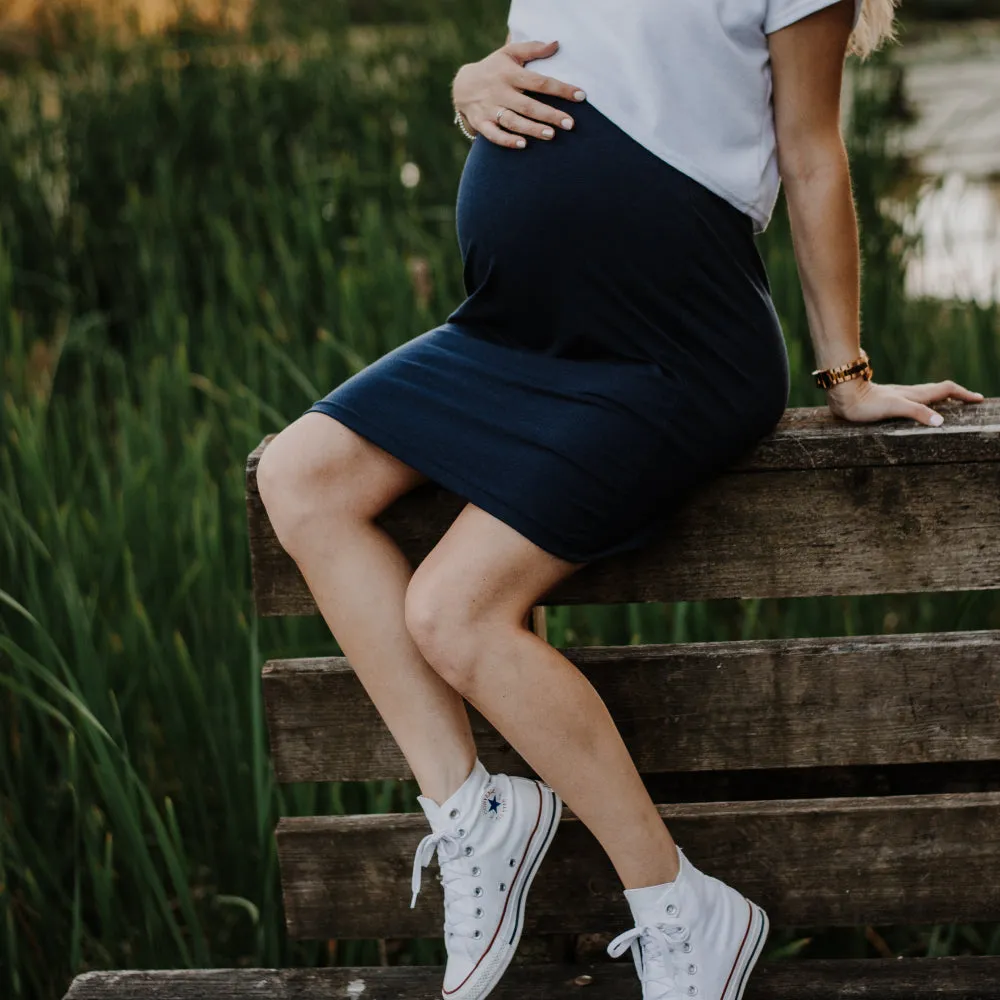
(480, 89)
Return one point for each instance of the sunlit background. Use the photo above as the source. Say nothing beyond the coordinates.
(209, 220)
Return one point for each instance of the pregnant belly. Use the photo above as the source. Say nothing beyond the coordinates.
(559, 238)
(590, 245)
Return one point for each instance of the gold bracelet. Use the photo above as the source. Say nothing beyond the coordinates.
(460, 122)
(858, 368)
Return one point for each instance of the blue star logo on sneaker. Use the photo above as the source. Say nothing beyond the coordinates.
(494, 804)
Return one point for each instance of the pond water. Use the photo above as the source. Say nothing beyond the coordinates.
(952, 83)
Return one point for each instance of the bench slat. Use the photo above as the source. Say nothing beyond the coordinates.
(705, 706)
(950, 978)
(829, 862)
(783, 524)
(808, 437)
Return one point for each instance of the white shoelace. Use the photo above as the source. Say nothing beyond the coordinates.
(459, 885)
(654, 956)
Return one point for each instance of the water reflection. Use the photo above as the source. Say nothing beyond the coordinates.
(959, 222)
(952, 81)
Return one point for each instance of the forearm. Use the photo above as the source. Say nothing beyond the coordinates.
(825, 238)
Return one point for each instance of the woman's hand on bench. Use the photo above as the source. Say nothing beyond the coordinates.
(865, 401)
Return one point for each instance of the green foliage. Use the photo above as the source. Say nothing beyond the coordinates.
(193, 247)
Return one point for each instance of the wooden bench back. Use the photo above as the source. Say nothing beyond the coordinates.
(778, 758)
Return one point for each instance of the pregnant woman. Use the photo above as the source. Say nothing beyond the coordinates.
(617, 346)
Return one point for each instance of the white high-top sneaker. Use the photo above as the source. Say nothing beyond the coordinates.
(695, 936)
(491, 836)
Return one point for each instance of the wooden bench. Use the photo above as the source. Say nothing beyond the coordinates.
(847, 781)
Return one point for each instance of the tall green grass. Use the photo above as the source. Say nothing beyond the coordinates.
(192, 249)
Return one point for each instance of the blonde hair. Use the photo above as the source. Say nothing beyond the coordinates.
(875, 26)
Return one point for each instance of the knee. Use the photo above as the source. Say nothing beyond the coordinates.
(279, 483)
(301, 484)
(448, 635)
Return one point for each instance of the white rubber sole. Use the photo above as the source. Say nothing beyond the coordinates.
(753, 946)
(509, 935)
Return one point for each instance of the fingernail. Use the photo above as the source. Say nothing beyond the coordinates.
(979, 394)
(579, 95)
(519, 144)
(548, 132)
(567, 123)
(937, 420)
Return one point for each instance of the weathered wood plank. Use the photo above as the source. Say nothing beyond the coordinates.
(705, 706)
(921, 504)
(810, 437)
(951, 978)
(828, 862)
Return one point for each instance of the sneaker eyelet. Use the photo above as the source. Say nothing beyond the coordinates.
(671, 908)
(478, 891)
(512, 862)
(476, 870)
(686, 947)
(478, 934)
(692, 991)
(692, 968)
(479, 911)
(453, 814)
(502, 886)
(460, 833)
(468, 850)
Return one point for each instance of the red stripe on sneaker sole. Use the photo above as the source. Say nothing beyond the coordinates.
(755, 954)
(529, 876)
(758, 944)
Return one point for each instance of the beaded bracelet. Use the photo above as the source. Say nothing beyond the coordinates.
(460, 122)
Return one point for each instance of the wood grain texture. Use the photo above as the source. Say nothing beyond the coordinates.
(953, 978)
(920, 505)
(826, 862)
(700, 706)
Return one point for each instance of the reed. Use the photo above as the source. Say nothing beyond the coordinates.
(195, 243)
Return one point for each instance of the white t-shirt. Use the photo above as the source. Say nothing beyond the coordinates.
(688, 79)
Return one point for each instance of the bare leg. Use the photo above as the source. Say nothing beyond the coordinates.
(466, 607)
(323, 485)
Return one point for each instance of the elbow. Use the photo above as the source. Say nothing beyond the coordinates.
(803, 160)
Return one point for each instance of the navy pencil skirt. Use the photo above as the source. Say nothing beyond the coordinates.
(617, 345)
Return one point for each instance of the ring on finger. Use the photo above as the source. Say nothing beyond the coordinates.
(500, 114)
